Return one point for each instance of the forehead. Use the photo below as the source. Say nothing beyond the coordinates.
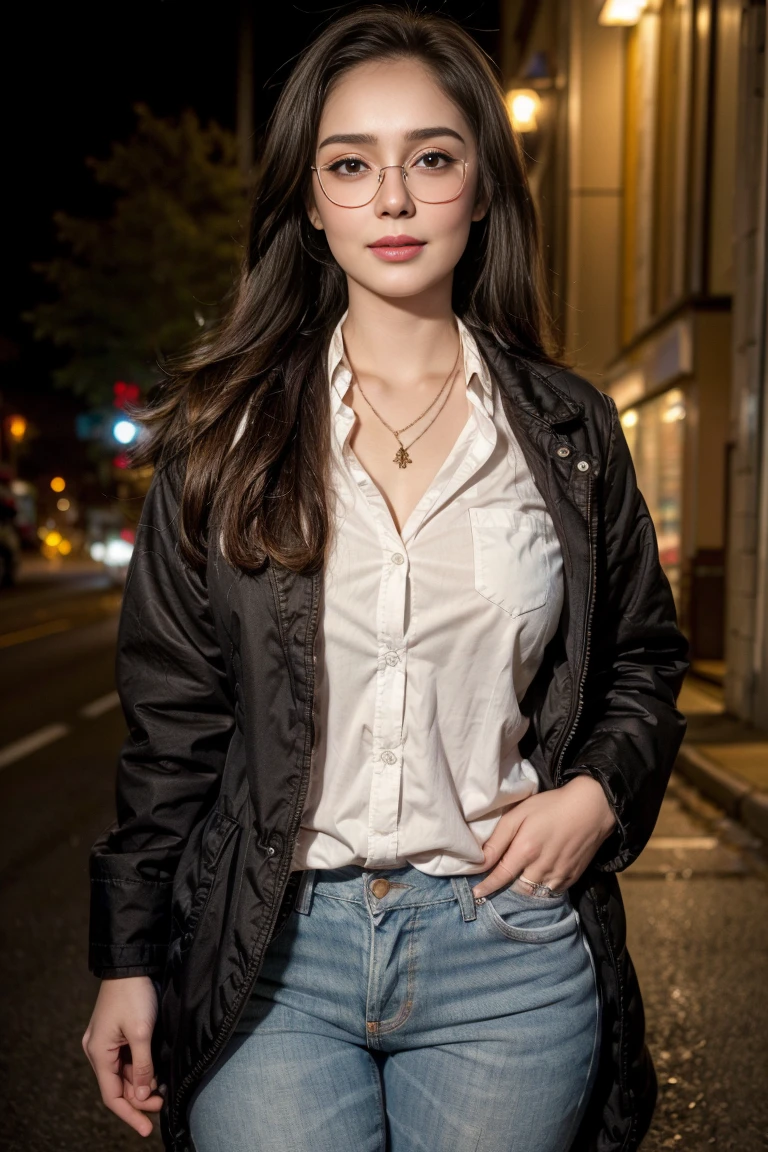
(388, 99)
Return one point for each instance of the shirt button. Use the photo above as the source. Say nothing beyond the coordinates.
(392, 658)
(397, 558)
(389, 757)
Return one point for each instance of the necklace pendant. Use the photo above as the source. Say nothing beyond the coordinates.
(401, 457)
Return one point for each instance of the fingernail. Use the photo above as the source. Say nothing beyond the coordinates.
(153, 1084)
(142, 1092)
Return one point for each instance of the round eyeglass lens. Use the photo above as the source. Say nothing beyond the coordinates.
(432, 177)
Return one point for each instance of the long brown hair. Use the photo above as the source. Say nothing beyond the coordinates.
(268, 494)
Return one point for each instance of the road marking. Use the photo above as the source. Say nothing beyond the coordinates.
(668, 843)
(8, 639)
(97, 707)
(28, 744)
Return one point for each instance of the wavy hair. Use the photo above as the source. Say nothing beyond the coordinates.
(268, 495)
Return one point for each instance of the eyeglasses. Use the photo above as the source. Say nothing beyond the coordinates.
(432, 176)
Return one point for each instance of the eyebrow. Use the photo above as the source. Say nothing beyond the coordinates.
(367, 138)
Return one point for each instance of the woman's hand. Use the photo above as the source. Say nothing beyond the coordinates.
(124, 1018)
(549, 837)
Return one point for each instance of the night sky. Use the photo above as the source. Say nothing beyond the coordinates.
(76, 71)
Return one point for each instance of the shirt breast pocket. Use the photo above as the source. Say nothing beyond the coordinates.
(511, 558)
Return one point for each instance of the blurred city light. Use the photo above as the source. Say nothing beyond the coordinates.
(629, 419)
(98, 550)
(523, 105)
(621, 11)
(117, 552)
(674, 412)
(58, 484)
(64, 547)
(53, 539)
(124, 431)
(62, 504)
(125, 394)
(17, 426)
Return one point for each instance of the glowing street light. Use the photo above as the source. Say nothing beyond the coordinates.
(124, 431)
(58, 484)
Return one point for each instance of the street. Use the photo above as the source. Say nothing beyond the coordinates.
(695, 903)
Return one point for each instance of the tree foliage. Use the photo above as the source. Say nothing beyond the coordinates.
(138, 285)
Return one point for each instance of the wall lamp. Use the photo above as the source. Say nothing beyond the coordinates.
(621, 12)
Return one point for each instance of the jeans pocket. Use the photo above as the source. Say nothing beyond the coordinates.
(530, 919)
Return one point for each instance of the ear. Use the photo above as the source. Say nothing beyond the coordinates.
(482, 204)
(312, 212)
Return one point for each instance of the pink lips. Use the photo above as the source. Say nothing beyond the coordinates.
(397, 248)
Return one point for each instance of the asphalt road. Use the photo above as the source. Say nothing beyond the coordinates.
(695, 900)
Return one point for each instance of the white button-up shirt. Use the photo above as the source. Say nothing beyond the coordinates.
(426, 641)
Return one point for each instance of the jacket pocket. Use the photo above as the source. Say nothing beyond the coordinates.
(511, 558)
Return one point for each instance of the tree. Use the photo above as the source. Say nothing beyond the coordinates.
(139, 284)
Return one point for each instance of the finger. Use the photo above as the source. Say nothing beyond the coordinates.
(498, 877)
(151, 1103)
(502, 836)
(142, 1069)
(111, 1085)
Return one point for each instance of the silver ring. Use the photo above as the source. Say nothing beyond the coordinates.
(539, 889)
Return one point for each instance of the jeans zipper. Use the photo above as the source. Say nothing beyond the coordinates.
(231, 1018)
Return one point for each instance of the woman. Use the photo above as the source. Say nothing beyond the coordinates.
(398, 661)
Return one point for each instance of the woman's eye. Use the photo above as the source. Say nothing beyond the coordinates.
(348, 166)
(434, 159)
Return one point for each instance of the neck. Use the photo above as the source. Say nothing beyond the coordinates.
(400, 342)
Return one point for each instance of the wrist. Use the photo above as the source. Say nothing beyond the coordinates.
(589, 785)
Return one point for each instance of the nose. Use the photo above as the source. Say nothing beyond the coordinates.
(393, 197)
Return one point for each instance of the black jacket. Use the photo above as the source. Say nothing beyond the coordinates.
(216, 677)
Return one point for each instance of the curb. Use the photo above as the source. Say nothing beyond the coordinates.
(740, 799)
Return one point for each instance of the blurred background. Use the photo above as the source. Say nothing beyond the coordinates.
(132, 134)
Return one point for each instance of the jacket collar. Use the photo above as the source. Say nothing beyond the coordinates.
(529, 384)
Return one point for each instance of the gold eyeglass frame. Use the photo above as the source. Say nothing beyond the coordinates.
(380, 178)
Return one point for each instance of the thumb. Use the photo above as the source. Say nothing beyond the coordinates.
(143, 1071)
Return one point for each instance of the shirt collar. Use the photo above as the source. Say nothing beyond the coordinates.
(476, 373)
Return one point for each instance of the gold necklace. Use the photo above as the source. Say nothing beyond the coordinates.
(401, 457)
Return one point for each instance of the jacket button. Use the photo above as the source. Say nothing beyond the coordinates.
(583, 465)
(563, 451)
(270, 851)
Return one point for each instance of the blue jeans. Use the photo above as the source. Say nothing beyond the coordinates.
(403, 1016)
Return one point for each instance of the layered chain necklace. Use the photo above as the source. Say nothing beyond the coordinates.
(401, 457)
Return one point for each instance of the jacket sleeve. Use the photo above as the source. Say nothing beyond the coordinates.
(631, 729)
(180, 715)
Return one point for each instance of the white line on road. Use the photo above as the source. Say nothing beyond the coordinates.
(28, 744)
(668, 843)
(97, 707)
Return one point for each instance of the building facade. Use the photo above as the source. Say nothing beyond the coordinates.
(648, 162)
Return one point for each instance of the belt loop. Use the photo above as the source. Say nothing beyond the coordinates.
(304, 894)
(463, 890)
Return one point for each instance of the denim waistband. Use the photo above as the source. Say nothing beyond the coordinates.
(405, 887)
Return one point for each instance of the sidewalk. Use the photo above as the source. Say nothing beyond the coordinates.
(723, 757)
